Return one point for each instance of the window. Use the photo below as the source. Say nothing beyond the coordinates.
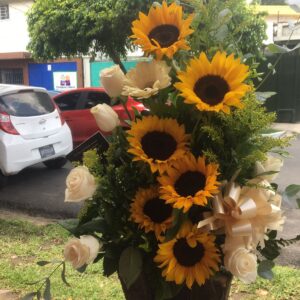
(4, 12)
(68, 102)
(11, 76)
(27, 103)
(95, 98)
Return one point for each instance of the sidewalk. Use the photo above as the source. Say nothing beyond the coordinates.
(291, 127)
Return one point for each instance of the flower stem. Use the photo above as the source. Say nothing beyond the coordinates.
(124, 102)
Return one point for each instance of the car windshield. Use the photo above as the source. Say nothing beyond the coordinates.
(26, 103)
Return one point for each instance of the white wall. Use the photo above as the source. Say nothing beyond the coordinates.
(13, 31)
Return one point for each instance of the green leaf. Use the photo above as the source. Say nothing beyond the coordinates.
(130, 265)
(29, 296)
(264, 269)
(298, 202)
(267, 173)
(263, 96)
(273, 48)
(43, 263)
(70, 224)
(82, 269)
(136, 112)
(292, 190)
(63, 275)
(110, 266)
(47, 292)
(96, 225)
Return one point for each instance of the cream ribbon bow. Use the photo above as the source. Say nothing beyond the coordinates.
(237, 212)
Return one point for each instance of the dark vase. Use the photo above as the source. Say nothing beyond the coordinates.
(216, 288)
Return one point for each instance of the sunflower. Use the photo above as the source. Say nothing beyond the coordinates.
(151, 212)
(215, 85)
(159, 142)
(163, 31)
(190, 181)
(190, 256)
(146, 79)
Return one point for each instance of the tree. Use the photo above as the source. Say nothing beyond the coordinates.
(76, 27)
(229, 25)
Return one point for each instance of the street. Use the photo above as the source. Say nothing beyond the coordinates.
(39, 191)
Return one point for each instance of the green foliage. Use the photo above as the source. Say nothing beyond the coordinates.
(273, 245)
(231, 26)
(75, 27)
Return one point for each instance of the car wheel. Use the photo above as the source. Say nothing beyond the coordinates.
(3, 180)
(55, 163)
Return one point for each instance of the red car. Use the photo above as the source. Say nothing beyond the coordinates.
(75, 106)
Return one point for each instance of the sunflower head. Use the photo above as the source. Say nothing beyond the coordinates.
(151, 212)
(158, 142)
(191, 256)
(162, 31)
(216, 85)
(190, 181)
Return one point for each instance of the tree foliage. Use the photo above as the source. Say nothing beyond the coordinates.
(230, 25)
(75, 27)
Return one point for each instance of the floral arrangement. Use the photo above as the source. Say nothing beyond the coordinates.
(184, 195)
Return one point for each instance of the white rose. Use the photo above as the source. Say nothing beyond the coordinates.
(242, 264)
(106, 118)
(82, 251)
(80, 185)
(271, 164)
(112, 79)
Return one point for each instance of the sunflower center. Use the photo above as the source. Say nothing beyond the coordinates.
(186, 255)
(195, 213)
(166, 35)
(158, 145)
(157, 210)
(211, 89)
(189, 183)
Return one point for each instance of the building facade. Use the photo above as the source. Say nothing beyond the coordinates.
(16, 65)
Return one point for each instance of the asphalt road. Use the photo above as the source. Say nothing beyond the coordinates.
(40, 191)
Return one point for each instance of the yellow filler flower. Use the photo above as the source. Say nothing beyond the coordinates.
(191, 256)
(163, 31)
(215, 85)
(158, 142)
(189, 182)
(151, 212)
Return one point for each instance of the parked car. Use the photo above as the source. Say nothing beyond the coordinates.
(53, 93)
(32, 130)
(75, 106)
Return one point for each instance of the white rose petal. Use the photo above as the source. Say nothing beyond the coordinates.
(271, 164)
(242, 264)
(93, 244)
(80, 185)
(112, 79)
(106, 118)
(81, 251)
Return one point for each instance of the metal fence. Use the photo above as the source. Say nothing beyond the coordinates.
(286, 83)
(11, 76)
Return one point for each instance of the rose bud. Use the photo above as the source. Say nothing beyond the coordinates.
(112, 79)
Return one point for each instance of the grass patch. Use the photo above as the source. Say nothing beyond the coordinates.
(22, 244)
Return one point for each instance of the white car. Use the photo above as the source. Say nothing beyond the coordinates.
(31, 130)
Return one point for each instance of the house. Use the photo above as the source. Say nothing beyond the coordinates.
(280, 21)
(16, 65)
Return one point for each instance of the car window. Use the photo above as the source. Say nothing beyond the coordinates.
(94, 98)
(26, 103)
(67, 102)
